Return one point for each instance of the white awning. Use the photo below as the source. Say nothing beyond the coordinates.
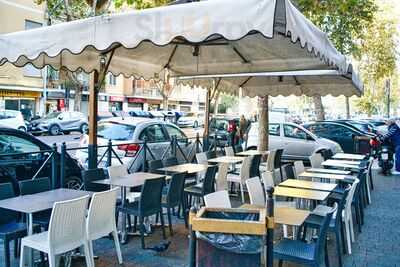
(207, 37)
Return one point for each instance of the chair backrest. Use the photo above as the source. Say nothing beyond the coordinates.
(268, 179)
(341, 206)
(288, 172)
(323, 230)
(219, 199)
(201, 158)
(255, 166)
(316, 160)
(245, 169)
(211, 154)
(175, 189)
(150, 197)
(117, 171)
(170, 162)
(238, 149)
(154, 165)
(271, 160)
(221, 181)
(33, 186)
(256, 191)
(298, 168)
(229, 151)
(350, 196)
(99, 221)
(7, 216)
(278, 158)
(91, 175)
(67, 225)
(209, 180)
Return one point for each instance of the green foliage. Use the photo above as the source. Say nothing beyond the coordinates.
(141, 4)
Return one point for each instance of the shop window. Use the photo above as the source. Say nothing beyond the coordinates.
(112, 80)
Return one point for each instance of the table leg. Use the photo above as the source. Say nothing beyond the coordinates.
(29, 226)
(124, 236)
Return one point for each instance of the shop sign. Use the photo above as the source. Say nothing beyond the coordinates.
(136, 100)
(117, 98)
(18, 93)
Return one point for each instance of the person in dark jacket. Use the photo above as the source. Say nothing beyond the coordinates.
(393, 136)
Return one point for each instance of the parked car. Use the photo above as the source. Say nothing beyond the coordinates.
(191, 119)
(60, 122)
(223, 128)
(360, 125)
(297, 142)
(380, 125)
(351, 139)
(129, 133)
(14, 168)
(12, 119)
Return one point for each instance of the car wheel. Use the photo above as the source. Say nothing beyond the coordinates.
(84, 128)
(67, 132)
(74, 182)
(195, 124)
(54, 130)
(22, 128)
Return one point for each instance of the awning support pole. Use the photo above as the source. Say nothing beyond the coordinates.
(263, 123)
(98, 79)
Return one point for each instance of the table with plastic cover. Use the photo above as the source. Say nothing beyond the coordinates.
(129, 181)
(190, 168)
(348, 156)
(252, 153)
(341, 165)
(320, 175)
(319, 186)
(30, 204)
(331, 171)
(300, 193)
(226, 159)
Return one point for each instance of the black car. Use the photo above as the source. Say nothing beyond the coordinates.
(360, 125)
(23, 156)
(351, 139)
(224, 130)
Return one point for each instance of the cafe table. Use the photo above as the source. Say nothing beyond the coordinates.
(350, 162)
(226, 159)
(252, 153)
(300, 193)
(30, 204)
(129, 181)
(190, 168)
(340, 165)
(320, 175)
(308, 185)
(347, 156)
(331, 171)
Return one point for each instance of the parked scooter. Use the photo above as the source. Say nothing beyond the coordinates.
(385, 156)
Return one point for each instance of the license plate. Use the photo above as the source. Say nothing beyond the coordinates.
(385, 156)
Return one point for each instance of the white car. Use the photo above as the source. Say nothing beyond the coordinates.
(297, 142)
(191, 119)
(12, 119)
(128, 135)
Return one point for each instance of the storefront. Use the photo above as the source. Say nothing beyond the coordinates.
(153, 104)
(116, 103)
(135, 103)
(25, 101)
(185, 106)
(55, 101)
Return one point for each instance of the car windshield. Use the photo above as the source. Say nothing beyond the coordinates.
(52, 115)
(219, 124)
(115, 131)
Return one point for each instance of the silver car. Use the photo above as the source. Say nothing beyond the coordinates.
(297, 142)
(127, 136)
(60, 122)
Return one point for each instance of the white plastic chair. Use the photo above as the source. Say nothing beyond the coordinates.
(219, 199)
(269, 164)
(201, 158)
(243, 176)
(222, 174)
(256, 191)
(66, 232)
(316, 160)
(121, 171)
(368, 180)
(298, 168)
(229, 151)
(347, 216)
(100, 222)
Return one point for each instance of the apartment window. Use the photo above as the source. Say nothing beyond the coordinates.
(112, 80)
(30, 70)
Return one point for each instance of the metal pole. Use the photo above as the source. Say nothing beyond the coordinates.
(174, 144)
(270, 227)
(62, 164)
(92, 146)
(197, 142)
(192, 239)
(54, 166)
(145, 154)
(109, 153)
(388, 97)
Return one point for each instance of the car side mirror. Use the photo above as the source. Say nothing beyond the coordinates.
(60, 118)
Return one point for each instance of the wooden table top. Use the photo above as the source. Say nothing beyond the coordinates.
(187, 167)
(226, 159)
(131, 180)
(308, 185)
(300, 193)
(41, 201)
(338, 164)
(348, 156)
(332, 171)
(284, 215)
(321, 175)
(252, 153)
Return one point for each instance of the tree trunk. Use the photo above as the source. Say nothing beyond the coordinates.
(78, 98)
(165, 101)
(347, 108)
(216, 103)
(207, 114)
(319, 108)
(263, 124)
